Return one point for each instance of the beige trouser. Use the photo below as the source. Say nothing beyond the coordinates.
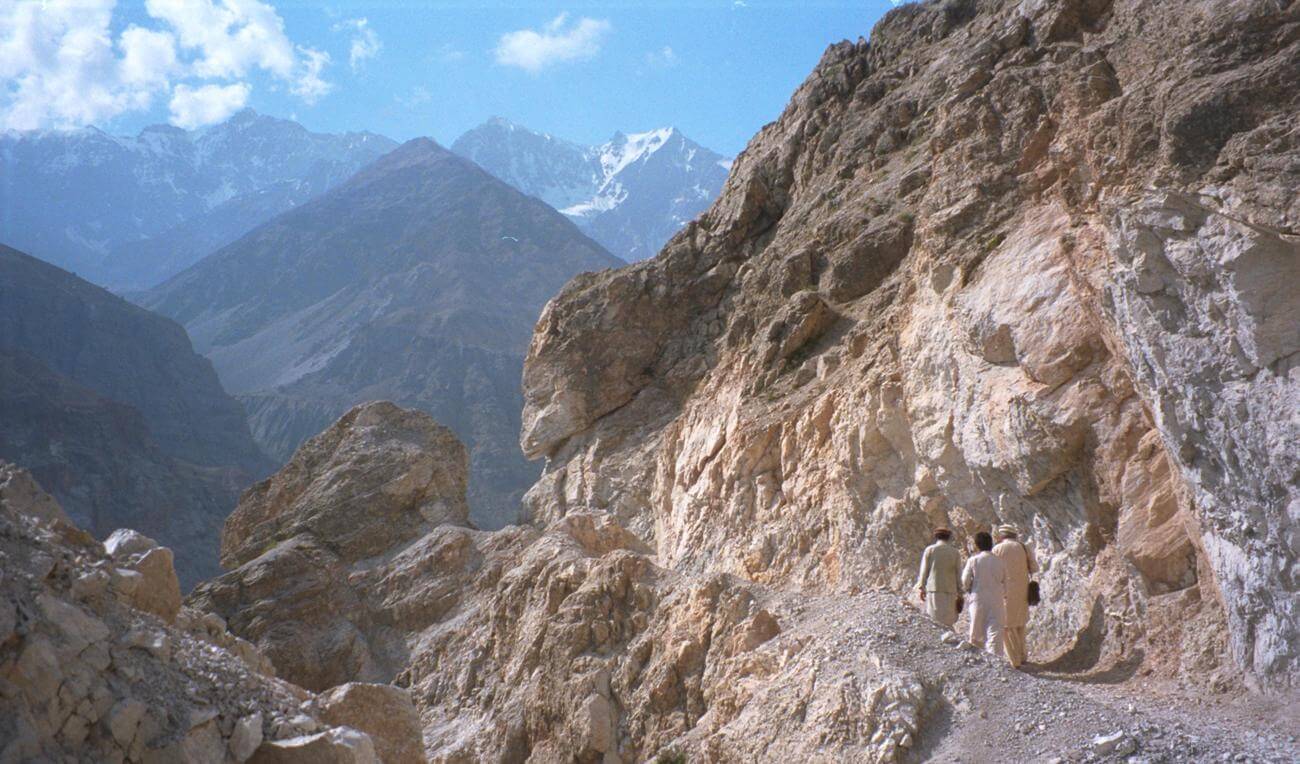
(942, 607)
(1013, 638)
(986, 626)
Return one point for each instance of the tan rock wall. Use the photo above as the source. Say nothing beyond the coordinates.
(913, 304)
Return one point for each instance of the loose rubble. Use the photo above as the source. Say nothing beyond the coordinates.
(98, 661)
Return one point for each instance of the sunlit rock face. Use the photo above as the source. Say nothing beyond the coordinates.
(324, 553)
(985, 268)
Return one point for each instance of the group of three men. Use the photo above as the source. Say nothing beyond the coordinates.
(996, 577)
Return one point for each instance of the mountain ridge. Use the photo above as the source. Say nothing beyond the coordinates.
(630, 193)
(94, 202)
(417, 280)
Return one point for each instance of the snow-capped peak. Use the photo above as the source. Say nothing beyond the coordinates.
(622, 150)
(631, 193)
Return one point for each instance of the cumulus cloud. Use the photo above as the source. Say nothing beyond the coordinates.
(61, 66)
(365, 41)
(195, 107)
(148, 57)
(556, 42)
(230, 36)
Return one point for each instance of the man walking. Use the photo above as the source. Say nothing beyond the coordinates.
(938, 580)
(1020, 565)
(986, 579)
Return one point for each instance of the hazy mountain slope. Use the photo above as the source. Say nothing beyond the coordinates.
(144, 263)
(630, 194)
(419, 280)
(559, 172)
(111, 408)
(81, 199)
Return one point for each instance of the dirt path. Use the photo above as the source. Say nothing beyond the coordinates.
(979, 709)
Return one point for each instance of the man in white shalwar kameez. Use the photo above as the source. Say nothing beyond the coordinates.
(1020, 565)
(985, 577)
(939, 580)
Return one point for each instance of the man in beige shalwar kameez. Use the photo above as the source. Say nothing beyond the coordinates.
(1020, 565)
(939, 578)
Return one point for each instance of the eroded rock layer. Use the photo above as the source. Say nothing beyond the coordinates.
(1006, 262)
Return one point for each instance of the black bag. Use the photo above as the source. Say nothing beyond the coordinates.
(1033, 595)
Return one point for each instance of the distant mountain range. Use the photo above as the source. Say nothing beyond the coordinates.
(419, 280)
(127, 213)
(316, 272)
(631, 194)
(113, 412)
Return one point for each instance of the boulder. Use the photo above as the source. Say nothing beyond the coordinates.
(379, 476)
(320, 568)
(20, 493)
(155, 588)
(383, 712)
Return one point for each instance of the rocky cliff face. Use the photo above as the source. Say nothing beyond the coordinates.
(987, 267)
(572, 642)
(116, 415)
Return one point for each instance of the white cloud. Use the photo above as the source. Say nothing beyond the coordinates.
(365, 41)
(231, 36)
(148, 56)
(61, 66)
(556, 42)
(664, 57)
(195, 107)
(308, 84)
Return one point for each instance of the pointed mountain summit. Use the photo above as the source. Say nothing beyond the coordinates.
(419, 280)
(631, 193)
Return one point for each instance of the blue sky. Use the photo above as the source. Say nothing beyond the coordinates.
(718, 69)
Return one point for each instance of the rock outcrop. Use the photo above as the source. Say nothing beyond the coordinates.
(985, 268)
(87, 676)
(326, 553)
